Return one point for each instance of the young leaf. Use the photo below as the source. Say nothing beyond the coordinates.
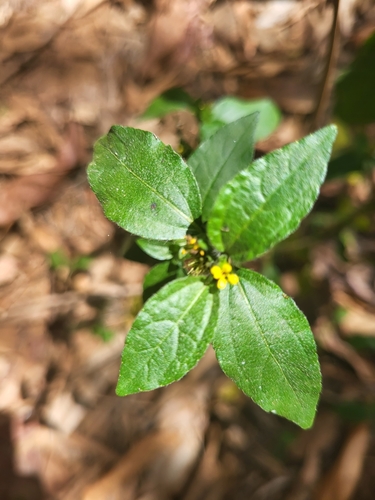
(159, 276)
(263, 204)
(168, 337)
(143, 185)
(159, 250)
(229, 109)
(221, 157)
(172, 100)
(264, 343)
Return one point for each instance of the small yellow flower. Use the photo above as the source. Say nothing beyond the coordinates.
(216, 272)
(201, 253)
(233, 279)
(226, 268)
(221, 283)
(223, 274)
(183, 251)
(192, 241)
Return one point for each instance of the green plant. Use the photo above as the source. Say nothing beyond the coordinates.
(213, 116)
(204, 219)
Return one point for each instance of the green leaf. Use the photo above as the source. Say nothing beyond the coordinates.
(229, 109)
(355, 96)
(160, 273)
(158, 276)
(171, 100)
(264, 343)
(159, 250)
(168, 337)
(143, 185)
(265, 203)
(221, 157)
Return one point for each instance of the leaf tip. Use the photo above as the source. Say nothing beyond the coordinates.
(332, 130)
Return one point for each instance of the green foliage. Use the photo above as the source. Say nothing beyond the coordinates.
(159, 250)
(60, 259)
(229, 109)
(103, 332)
(143, 185)
(169, 101)
(272, 356)
(355, 96)
(262, 340)
(168, 337)
(266, 202)
(218, 159)
(158, 276)
(214, 116)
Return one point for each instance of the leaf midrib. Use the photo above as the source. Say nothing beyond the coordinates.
(236, 143)
(187, 310)
(261, 207)
(166, 201)
(266, 342)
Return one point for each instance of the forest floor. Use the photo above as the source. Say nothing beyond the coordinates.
(69, 70)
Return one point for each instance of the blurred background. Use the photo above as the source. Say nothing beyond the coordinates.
(71, 282)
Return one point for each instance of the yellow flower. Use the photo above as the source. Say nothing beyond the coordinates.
(223, 274)
(226, 268)
(221, 283)
(216, 272)
(233, 279)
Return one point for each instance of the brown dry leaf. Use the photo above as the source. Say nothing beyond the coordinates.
(311, 447)
(165, 458)
(176, 31)
(64, 464)
(357, 320)
(344, 476)
(23, 193)
(327, 337)
(208, 482)
(78, 219)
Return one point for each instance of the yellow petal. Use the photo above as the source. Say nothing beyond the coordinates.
(233, 279)
(221, 283)
(226, 268)
(216, 272)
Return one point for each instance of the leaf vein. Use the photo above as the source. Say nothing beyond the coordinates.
(263, 334)
(165, 200)
(262, 206)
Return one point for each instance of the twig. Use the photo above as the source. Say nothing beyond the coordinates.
(318, 115)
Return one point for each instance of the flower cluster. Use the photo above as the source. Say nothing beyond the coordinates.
(194, 256)
(223, 274)
(192, 247)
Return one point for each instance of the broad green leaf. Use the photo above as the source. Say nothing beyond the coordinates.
(264, 343)
(229, 109)
(355, 96)
(221, 157)
(168, 337)
(143, 185)
(266, 202)
(157, 249)
(158, 276)
(171, 100)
